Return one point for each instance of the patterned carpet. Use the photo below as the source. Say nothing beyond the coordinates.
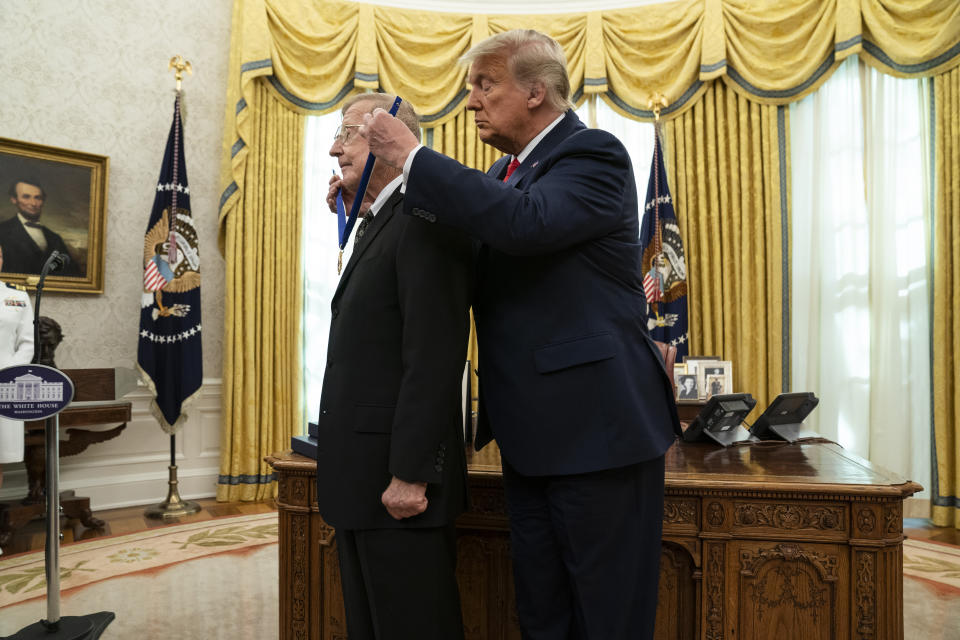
(210, 579)
(931, 591)
(218, 579)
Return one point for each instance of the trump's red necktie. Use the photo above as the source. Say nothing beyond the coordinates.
(511, 168)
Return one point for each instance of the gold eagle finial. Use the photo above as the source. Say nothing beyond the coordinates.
(181, 65)
(655, 103)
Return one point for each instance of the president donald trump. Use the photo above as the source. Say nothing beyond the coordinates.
(571, 385)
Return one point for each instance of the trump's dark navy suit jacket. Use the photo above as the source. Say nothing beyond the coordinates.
(570, 380)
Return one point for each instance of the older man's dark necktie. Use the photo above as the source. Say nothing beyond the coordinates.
(362, 227)
(511, 168)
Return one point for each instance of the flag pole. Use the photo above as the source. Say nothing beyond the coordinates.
(174, 506)
(654, 104)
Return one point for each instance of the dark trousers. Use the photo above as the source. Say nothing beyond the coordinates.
(586, 552)
(400, 584)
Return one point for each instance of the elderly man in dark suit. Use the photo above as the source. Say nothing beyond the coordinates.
(571, 385)
(26, 242)
(391, 469)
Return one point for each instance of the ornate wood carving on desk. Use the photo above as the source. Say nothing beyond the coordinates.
(93, 404)
(781, 541)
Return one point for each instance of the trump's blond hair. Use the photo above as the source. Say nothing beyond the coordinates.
(531, 58)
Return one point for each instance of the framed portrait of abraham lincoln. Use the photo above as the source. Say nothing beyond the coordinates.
(53, 200)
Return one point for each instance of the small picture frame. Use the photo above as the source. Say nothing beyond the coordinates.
(723, 368)
(678, 370)
(716, 385)
(687, 388)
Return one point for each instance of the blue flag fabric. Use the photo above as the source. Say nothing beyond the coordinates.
(663, 263)
(169, 354)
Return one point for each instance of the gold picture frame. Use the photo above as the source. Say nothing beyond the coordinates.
(72, 189)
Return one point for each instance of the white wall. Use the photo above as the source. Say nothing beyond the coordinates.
(132, 469)
(92, 76)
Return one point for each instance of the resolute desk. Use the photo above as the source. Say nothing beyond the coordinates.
(786, 541)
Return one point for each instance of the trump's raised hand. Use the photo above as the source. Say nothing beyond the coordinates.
(388, 138)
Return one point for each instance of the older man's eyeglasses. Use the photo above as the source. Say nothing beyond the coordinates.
(344, 132)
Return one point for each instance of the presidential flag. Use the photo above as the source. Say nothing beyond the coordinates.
(663, 263)
(169, 354)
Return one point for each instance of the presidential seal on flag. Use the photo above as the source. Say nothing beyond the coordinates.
(159, 274)
(666, 270)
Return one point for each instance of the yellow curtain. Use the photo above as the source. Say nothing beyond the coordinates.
(723, 66)
(946, 316)
(261, 388)
(727, 165)
(317, 53)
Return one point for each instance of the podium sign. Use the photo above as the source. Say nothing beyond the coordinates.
(33, 392)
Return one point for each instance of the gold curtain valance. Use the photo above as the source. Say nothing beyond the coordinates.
(315, 54)
(775, 52)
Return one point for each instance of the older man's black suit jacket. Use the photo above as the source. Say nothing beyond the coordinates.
(391, 400)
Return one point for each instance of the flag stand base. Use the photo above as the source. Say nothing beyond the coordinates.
(173, 506)
(88, 627)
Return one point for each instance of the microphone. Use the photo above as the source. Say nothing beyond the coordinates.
(57, 260)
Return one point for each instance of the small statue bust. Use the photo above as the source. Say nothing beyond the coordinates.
(50, 336)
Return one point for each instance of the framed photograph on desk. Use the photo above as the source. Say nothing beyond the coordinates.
(687, 387)
(679, 369)
(715, 385)
(713, 369)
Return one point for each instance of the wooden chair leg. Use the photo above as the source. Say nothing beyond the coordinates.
(78, 507)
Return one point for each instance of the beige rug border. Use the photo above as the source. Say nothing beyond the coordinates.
(932, 561)
(128, 554)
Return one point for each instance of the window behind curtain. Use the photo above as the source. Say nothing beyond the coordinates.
(860, 259)
(320, 249)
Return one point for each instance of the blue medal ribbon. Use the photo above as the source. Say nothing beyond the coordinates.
(341, 213)
(345, 226)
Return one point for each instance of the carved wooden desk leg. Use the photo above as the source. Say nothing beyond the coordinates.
(877, 565)
(308, 563)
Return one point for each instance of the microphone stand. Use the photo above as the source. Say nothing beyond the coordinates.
(56, 261)
(54, 627)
